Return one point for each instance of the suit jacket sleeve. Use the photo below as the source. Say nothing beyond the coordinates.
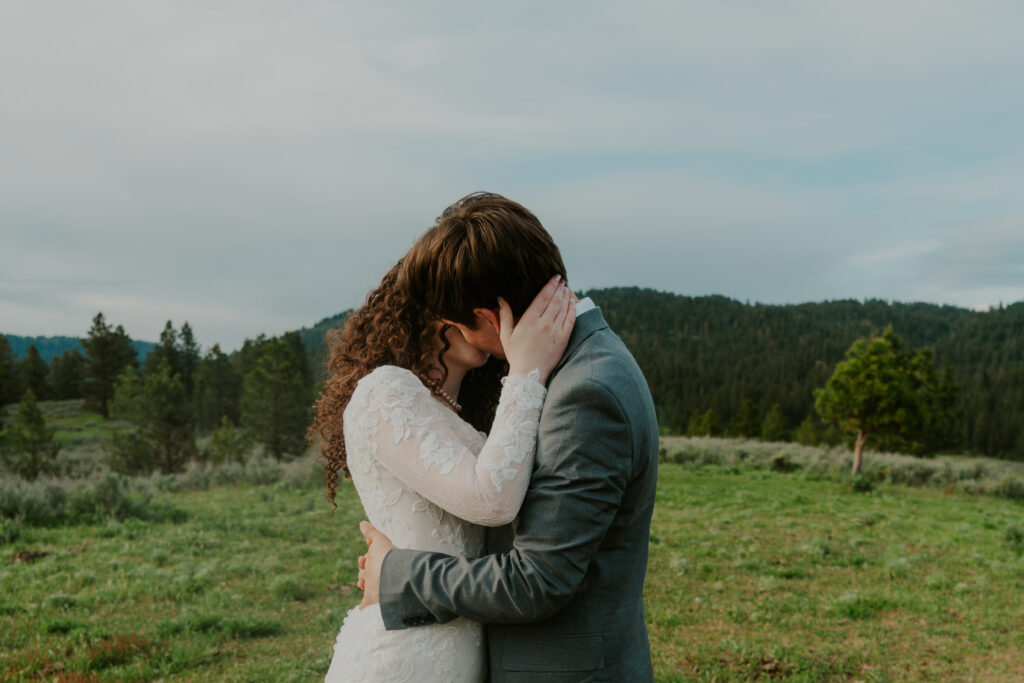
(582, 468)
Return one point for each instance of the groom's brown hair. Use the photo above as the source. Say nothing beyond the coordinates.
(481, 247)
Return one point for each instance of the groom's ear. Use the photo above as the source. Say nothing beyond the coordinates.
(487, 317)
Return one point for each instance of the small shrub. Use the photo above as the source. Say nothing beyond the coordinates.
(976, 471)
(1011, 487)
(911, 473)
(262, 471)
(109, 496)
(228, 444)
(196, 477)
(862, 484)
(35, 503)
(782, 463)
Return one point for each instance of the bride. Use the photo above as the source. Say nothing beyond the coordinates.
(403, 414)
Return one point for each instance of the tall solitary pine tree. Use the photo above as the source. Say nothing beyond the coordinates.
(892, 396)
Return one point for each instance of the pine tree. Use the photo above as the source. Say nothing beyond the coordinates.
(708, 424)
(166, 351)
(889, 395)
(228, 444)
(167, 422)
(162, 434)
(746, 422)
(67, 373)
(808, 432)
(32, 371)
(127, 451)
(218, 389)
(275, 398)
(8, 373)
(774, 427)
(35, 451)
(189, 358)
(693, 424)
(107, 353)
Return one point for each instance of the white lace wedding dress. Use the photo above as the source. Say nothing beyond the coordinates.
(427, 479)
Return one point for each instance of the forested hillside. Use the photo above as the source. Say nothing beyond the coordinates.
(315, 339)
(52, 347)
(703, 353)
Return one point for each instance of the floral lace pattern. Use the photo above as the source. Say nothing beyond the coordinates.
(427, 479)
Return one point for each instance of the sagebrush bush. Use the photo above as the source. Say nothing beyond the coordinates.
(87, 501)
(37, 502)
(1011, 487)
(834, 464)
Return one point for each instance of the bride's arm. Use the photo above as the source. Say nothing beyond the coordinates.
(398, 420)
(414, 436)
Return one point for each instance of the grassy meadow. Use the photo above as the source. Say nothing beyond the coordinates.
(763, 566)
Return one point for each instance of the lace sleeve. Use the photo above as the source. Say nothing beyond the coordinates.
(411, 434)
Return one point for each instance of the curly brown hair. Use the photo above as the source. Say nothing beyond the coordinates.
(389, 329)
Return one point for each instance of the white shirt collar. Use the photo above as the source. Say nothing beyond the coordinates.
(583, 305)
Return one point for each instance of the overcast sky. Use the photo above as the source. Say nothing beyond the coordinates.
(255, 166)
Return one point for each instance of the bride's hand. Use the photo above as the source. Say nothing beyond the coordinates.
(538, 340)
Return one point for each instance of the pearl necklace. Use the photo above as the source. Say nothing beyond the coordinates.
(456, 406)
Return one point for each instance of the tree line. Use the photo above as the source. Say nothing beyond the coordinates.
(716, 365)
(258, 395)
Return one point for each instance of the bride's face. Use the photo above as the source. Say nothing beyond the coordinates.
(461, 354)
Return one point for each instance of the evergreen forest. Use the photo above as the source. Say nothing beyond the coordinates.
(716, 354)
(716, 366)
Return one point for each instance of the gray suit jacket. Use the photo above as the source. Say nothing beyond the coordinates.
(562, 594)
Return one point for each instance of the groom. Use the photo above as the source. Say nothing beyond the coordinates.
(562, 590)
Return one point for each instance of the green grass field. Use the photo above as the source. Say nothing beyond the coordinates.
(754, 575)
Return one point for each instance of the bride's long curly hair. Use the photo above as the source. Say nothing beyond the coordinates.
(390, 330)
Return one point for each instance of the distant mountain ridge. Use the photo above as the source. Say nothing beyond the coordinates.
(315, 340)
(49, 347)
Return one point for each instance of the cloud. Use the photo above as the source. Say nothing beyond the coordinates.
(977, 255)
(261, 164)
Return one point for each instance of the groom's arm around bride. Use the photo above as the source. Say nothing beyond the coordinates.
(562, 593)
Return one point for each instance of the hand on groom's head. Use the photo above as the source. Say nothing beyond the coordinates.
(370, 563)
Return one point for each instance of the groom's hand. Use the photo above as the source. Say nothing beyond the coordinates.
(370, 563)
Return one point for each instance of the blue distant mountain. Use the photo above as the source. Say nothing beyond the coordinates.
(49, 347)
